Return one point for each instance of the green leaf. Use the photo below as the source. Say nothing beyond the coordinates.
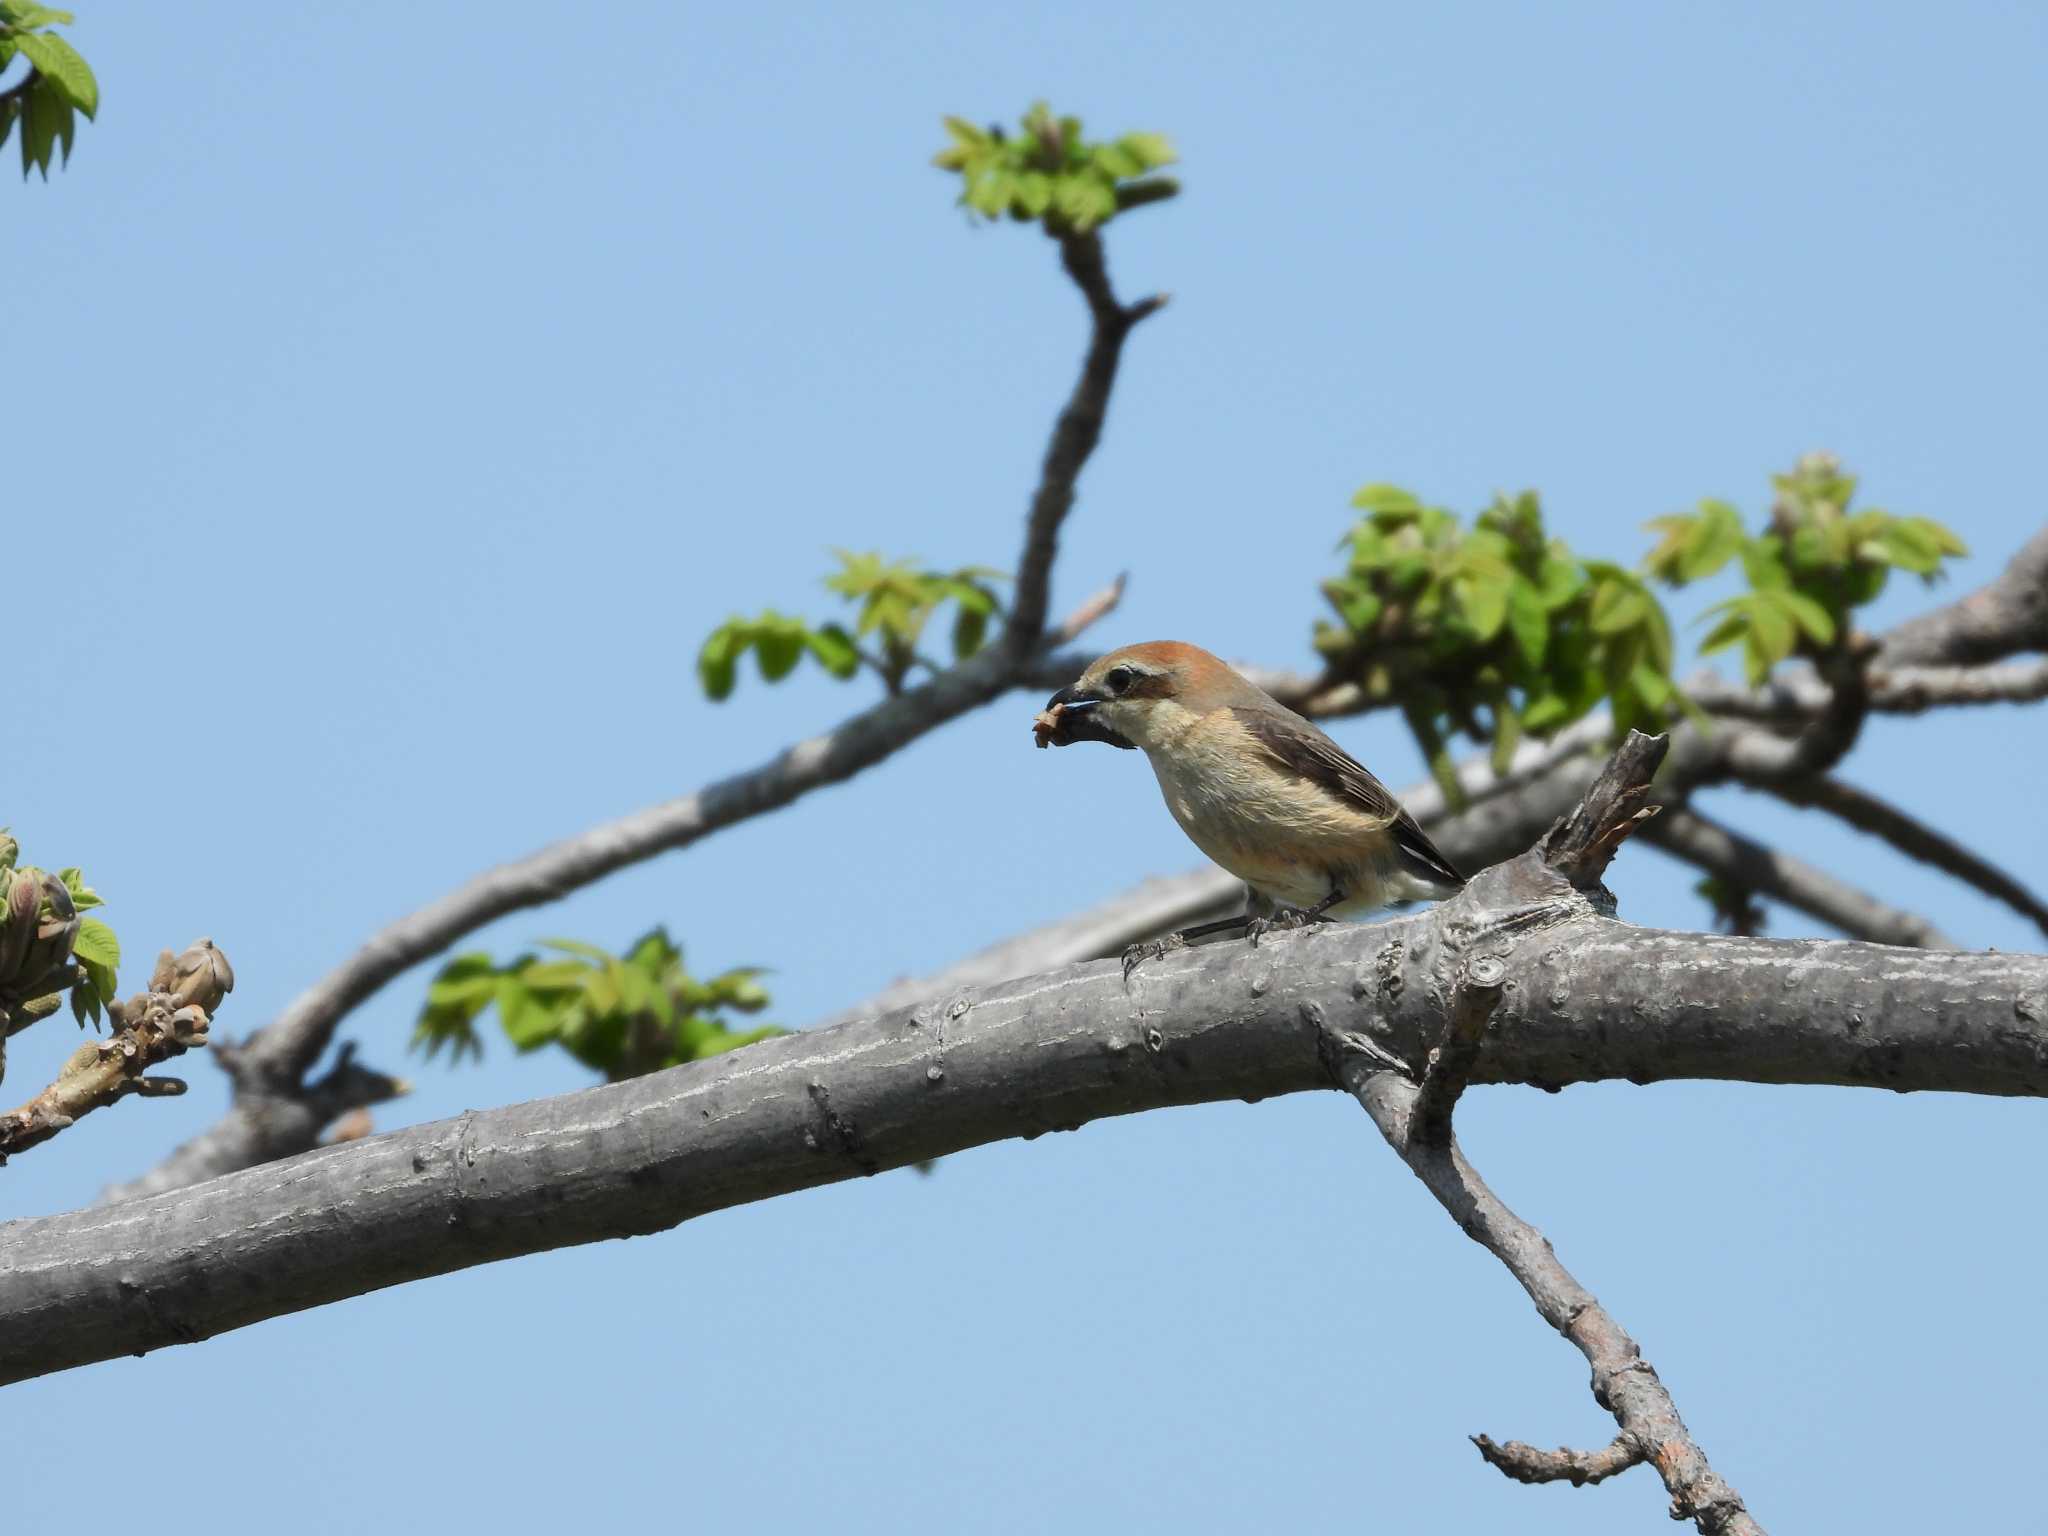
(1361, 609)
(1484, 603)
(1617, 605)
(96, 942)
(1529, 620)
(1773, 630)
(62, 67)
(1717, 538)
(965, 133)
(1729, 630)
(1653, 686)
(579, 947)
(1911, 548)
(1151, 150)
(1545, 712)
(835, 650)
(529, 1022)
(970, 626)
(1763, 563)
(38, 128)
(1809, 615)
(83, 897)
(1116, 160)
(1507, 735)
(19, 13)
(1943, 537)
(778, 645)
(1667, 557)
(716, 668)
(1387, 501)
(1034, 193)
(1560, 579)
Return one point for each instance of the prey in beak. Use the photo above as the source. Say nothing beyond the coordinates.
(1071, 715)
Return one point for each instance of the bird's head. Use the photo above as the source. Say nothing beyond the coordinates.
(1139, 696)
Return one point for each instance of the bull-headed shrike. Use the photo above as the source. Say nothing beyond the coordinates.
(1256, 787)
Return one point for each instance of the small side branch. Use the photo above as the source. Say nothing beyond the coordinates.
(1583, 844)
(1623, 1382)
(1074, 437)
(1914, 838)
(1416, 1122)
(1526, 1464)
(1742, 861)
(153, 1026)
(1450, 1063)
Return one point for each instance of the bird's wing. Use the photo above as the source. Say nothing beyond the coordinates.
(1299, 746)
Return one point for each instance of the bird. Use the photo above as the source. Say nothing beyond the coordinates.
(1260, 790)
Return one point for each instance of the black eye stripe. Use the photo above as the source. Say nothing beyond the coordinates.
(1118, 679)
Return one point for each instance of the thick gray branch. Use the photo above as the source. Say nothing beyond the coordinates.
(1583, 998)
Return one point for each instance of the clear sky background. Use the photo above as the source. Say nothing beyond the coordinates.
(399, 395)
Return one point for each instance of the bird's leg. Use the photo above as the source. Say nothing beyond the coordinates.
(1166, 944)
(1284, 918)
(1261, 917)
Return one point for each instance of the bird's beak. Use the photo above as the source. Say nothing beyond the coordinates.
(1070, 716)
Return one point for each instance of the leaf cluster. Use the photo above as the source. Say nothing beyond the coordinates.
(1495, 630)
(46, 105)
(895, 602)
(1807, 571)
(48, 945)
(1051, 173)
(621, 1015)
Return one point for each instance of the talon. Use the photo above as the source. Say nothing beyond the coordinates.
(1283, 920)
(1151, 949)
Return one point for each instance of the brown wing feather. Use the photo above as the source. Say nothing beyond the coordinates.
(1298, 745)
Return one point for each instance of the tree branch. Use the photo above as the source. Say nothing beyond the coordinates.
(1797, 694)
(2008, 614)
(1526, 1464)
(1416, 1122)
(1584, 998)
(1912, 837)
(1074, 437)
(1623, 1382)
(269, 1116)
(1721, 851)
(166, 1020)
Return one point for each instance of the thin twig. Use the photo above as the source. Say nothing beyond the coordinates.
(1074, 437)
(1726, 853)
(1912, 837)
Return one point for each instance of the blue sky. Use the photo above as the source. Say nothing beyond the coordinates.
(400, 395)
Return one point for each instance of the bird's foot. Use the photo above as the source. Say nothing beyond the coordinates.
(1282, 920)
(1151, 949)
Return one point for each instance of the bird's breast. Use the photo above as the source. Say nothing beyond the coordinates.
(1278, 832)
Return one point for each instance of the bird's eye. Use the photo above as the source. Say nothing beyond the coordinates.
(1119, 679)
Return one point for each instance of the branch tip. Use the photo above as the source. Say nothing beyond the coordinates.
(1526, 1464)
